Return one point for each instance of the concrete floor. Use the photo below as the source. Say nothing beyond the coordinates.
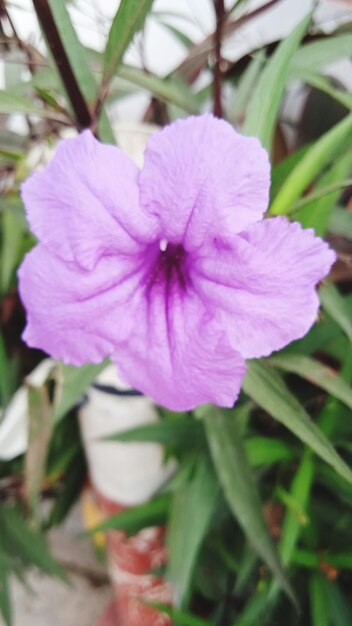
(49, 602)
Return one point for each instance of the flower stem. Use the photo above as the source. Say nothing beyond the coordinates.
(220, 13)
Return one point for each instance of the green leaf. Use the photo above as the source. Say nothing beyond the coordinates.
(78, 61)
(340, 609)
(316, 373)
(282, 170)
(324, 331)
(10, 157)
(300, 492)
(180, 431)
(128, 20)
(5, 602)
(268, 390)
(305, 558)
(179, 34)
(49, 98)
(267, 451)
(75, 478)
(26, 544)
(256, 610)
(318, 601)
(235, 477)
(320, 192)
(317, 54)
(40, 429)
(321, 153)
(173, 90)
(14, 103)
(132, 520)
(294, 522)
(335, 305)
(324, 84)
(15, 60)
(11, 247)
(341, 561)
(301, 488)
(292, 505)
(248, 565)
(319, 204)
(332, 482)
(341, 222)
(266, 100)
(73, 383)
(192, 508)
(5, 375)
(245, 87)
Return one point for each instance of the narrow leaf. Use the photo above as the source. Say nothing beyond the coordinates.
(128, 20)
(267, 98)
(75, 478)
(268, 390)
(26, 544)
(5, 375)
(239, 488)
(16, 103)
(317, 54)
(341, 222)
(316, 373)
(340, 608)
(191, 512)
(305, 558)
(267, 451)
(186, 41)
(315, 159)
(245, 87)
(341, 561)
(5, 602)
(320, 203)
(11, 247)
(256, 610)
(299, 492)
(320, 192)
(40, 428)
(182, 431)
(335, 305)
(282, 170)
(318, 601)
(324, 84)
(166, 89)
(73, 382)
(132, 520)
(293, 524)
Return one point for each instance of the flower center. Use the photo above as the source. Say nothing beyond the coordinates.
(172, 261)
(170, 266)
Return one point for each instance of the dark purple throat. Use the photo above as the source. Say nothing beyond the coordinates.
(170, 266)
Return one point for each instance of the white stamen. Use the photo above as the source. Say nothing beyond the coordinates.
(163, 244)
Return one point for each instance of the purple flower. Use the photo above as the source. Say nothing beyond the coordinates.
(167, 270)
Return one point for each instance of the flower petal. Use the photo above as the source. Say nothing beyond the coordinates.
(201, 177)
(75, 315)
(177, 355)
(85, 202)
(263, 284)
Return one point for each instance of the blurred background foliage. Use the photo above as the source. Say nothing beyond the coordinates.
(259, 511)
